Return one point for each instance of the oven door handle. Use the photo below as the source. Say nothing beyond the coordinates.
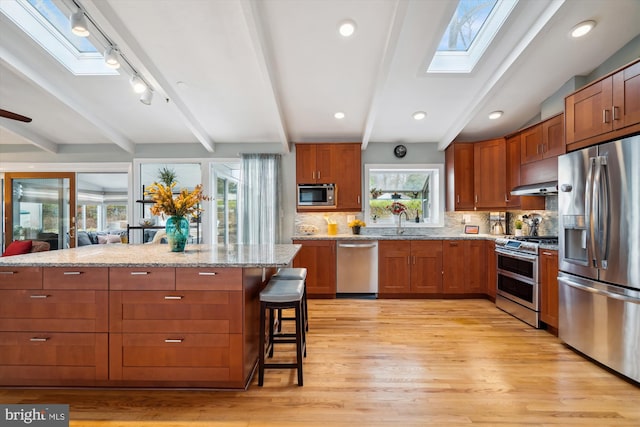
(519, 277)
(522, 257)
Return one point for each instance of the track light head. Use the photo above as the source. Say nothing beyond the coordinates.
(111, 58)
(79, 25)
(147, 96)
(138, 84)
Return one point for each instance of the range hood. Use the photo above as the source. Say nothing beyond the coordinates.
(541, 189)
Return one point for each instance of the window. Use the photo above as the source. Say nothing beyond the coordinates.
(102, 201)
(472, 28)
(418, 189)
(226, 176)
(47, 23)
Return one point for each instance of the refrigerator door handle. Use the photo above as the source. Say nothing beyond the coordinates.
(603, 214)
(593, 290)
(589, 216)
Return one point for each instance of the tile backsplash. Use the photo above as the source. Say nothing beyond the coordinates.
(453, 222)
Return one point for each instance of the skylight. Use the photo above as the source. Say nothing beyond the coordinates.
(472, 28)
(49, 26)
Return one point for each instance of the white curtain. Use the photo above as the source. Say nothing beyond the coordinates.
(259, 199)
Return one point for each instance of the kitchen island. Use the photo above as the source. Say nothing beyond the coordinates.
(134, 315)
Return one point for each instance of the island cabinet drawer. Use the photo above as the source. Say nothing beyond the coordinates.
(176, 357)
(176, 311)
(218, 279)
(54, 310)
(76, 278)
(142, 278)
(20, 277)
(29, 358)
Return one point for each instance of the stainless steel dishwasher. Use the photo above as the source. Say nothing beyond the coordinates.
(357, 269)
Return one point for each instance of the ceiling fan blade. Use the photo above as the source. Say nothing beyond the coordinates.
(14, 116)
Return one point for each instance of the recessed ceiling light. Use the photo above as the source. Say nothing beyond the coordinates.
(347, 28)
(419, 115)
(582, 29)
(495, 115)
(339, 115)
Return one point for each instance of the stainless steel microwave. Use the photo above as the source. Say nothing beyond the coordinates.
(317, 195)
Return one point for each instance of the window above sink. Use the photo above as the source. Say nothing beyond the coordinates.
(418, 189)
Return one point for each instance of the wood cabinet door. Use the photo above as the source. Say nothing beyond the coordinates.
(513, 147)
(626, 97)
(490, 174)
(531, 144)
(549, 287)
(394, 269)
(306, 164)
(349, 184)
(454, 265)
(588, 111)
(475, 253)
(326, 171)
(553, 137)
(319, 258)
(426, 266)
(492, 269)
(459, 165)
(20, 277)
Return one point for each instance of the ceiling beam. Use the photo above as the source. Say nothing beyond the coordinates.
(22, 130)
(265, 64)
(151, 72)
(395, 28)
(61, 95)
(478, 101)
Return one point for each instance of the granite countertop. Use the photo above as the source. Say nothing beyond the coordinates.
(460, 236)
(156, 255)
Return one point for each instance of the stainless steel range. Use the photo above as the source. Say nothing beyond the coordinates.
(518, 285)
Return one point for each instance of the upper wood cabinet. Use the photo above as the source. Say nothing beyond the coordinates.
(459, 167)
(543, 140)
(514, 177)
(606, 109)
(339, 164)
(490, 170)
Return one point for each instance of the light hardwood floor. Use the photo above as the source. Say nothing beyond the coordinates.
(389, 363)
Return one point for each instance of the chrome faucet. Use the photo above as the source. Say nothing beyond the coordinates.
(400, 229)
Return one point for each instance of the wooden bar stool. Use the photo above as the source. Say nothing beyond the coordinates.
(294, 274)
(281, 294)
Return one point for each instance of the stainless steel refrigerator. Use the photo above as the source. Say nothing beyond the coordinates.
(599, 253)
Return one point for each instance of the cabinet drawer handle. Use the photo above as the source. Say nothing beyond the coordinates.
(457, 198)
(174, 340)
(614, 111)
(546, 253)
(72, 273)
(605, 118)
(36, 339)
(173, 297)
(8, 272)
(39, 296)
(139, 273)
(205, 273)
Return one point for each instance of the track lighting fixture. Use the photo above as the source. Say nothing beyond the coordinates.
(79, 25)
(111, 58)
(138, 84)
(147, 96)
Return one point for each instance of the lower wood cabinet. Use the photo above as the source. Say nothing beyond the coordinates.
(548, 272)
(409, 267)
(319, 258)
(53, 326)
(465, 267)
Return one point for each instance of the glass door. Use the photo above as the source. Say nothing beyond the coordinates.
(39, 206)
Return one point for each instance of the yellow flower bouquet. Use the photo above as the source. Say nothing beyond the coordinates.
(357, 223)
(185, 203)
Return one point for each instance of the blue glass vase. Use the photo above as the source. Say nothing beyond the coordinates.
(177, 229)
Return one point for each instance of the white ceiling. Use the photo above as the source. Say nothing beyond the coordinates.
(275, 71)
